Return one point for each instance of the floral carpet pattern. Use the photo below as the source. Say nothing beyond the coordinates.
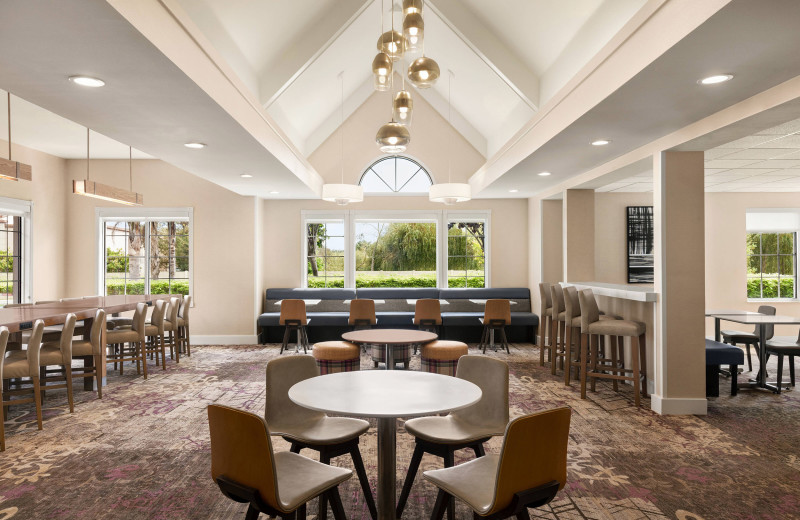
(142, 452)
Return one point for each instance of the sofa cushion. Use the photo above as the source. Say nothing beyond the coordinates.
(462, 319)
(269, 319)
(398, 293)
(524, 318)
(721, 354)
(395, 318)
(326, 319)
(508, 293)
(311, 294)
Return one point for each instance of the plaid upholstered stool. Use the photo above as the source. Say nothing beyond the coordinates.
(441, 357)
(337, 356)
(402, 354)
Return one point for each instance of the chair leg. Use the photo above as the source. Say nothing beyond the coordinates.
(734, 369)
(336, 504)
(361, 472)
(189, 342)
(791, 370)
(411, 474)
(301, 512)
(780, 371)
(440, 506)
(523, 515)
(643, 362)
(68, 378)
(749, 358)
(505, 339)
(449, 462)
(635, 363)
(37, 399)
(2, 422)
(567, 354)
(143, 354)
(615, 383)
(252, 513)
(323, 498)
(98, 377)
(542, 330)
(285, 342)
(594, 347)
(478, 449)
(582, 363)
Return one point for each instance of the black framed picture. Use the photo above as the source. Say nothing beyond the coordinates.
(640, 244)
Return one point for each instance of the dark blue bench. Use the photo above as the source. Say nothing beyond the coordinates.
(718, 354)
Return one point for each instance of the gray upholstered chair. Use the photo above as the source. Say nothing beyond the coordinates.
(20, 365)
(529, 471)
(572, 320)
(592, 327)
(736, 337)
(466, 428)
(58, 354)
(559, 316)
(91, 352)
(183, 325)
(546, 326)
(246, 469)
(171, 328)
(134, 338)
(304, 428)
(784, 346)
(154, 332)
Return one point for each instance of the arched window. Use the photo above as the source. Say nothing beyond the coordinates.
(395, 174)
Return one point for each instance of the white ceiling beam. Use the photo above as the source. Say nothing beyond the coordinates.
(301, 53)
(502, 60)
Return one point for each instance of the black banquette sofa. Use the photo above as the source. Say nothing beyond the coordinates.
(328, 311)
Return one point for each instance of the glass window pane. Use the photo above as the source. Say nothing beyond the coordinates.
(769, 265)
(754, 288)
(786, 243)
(753, 264)
(769, 243)
(456, 282)
(753, 244)
(372, 183)
(786, 265)
(134, 286)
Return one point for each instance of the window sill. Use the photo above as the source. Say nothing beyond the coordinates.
(777, 300)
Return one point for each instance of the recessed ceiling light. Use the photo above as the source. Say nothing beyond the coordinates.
(246, 176)
(513, 191)
(600, 142)
(195, 146)
(87, 81)
(544, 174)
(718, 78)
(274, 192)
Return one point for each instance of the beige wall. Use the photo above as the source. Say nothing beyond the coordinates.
(49, 226)
(433, 142)
(552, 241)
(578, 235)
(509, 235)
(610, 234)
(223, 239)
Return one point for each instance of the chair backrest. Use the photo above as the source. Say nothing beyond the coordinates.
(496, 310)
(428, 309)
(282, 374)
(65, 343)
(572, 305)
(769, 310)
(172, 313)
(34, 348)
(491, 376)
(545, 298)
(362, 310)
(185, 308)
(3, 345)
(139, 317)
(534, 453)
(293, 310)
(557, 295)
(96, 334)
(590, 313)
(241, 450)
(159, 314)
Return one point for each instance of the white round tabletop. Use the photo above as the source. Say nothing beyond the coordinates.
(385, 393)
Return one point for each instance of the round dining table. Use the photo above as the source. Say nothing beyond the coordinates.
(385, 395)
(390, 339)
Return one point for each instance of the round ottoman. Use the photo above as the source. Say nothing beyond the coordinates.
(402, 354)
(441, 357)
(337, 356)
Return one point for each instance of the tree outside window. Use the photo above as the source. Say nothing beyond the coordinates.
(771, 265)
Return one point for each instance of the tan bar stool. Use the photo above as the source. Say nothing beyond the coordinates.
(572, 312)
(496, 315)
(427, 316)
(293, 317)
(441, 357)
(559, 317)
(592, 327)
(336, 356)
(546, 325)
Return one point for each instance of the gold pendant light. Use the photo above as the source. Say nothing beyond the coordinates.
(393, 44)
(382, 71)
(402, 107)
(413, 31)
(393, 137)
(13, 170)
(423, 72)
(96, 190)
(342, 193)
(412, 6)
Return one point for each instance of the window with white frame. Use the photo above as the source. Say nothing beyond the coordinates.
(771, 252)
(395, 249)
(396, 174)
(15, 265)
(145, 251)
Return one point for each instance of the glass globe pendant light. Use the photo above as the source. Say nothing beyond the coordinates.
(450, 192)
(381, 71)
(342, 193)
(423, 72)
(413, 31)
(412, 6)
(393, 137)
(402, 107)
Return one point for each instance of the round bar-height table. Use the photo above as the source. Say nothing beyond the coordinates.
(389, 338)
(385, 395)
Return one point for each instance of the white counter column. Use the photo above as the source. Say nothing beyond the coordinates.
(679, 229)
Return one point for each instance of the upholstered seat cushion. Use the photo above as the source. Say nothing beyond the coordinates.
(524, 318)
(473, 482)
(300, 479)
(82, 348)
(16, 365)
(737, 336)
(576, 321)
(784, 344)
(335, 350)
(722, 354)
(395, 318)
(269, 319)
(122, 336)
(50, 354)
(464, 319)
(322, 430)
(617, 328)
(443, 350)
(448, 430)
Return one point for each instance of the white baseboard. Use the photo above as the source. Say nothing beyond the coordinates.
(224, 340)
(678, 406)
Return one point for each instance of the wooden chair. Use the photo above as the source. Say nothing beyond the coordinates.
(427, 316)
(154, 332)
(91, 352)
(330, 436)
(134, 338)
(58, 354)
(466, 428)
(572, 322)
(529, 472)
(171, 328)
(559, 316)
(293, 318)
(736, 337)
(19, 365)
(496, 315)
(183, 326)
(246, 469)
(362, 314)
(784, 347)
(546, 326)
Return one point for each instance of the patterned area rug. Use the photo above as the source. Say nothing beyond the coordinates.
(142, 452)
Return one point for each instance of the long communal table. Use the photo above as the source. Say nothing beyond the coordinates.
(19, 319)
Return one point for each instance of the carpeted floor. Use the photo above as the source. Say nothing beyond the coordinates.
(142, 452)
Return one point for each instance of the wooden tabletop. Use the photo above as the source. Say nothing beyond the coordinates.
(389, 336)
(385, 393)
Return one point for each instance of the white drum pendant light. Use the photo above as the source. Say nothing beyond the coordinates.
(450, 192)
(342, 193)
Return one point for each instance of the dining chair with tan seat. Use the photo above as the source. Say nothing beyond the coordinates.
(58, 354)
(496, 316)
(572, 336)
(293, 318)
(559, 316)
(782, 347)
(737, 337)
(154, 332)
(592, 327)
(546, 326)
(303, 428)
(362, 314)
(184, 337)
(90, 351)
(134, 338)
(247, 470)
(466, 428)
(528, 473)
(171, 328)
(20, 365)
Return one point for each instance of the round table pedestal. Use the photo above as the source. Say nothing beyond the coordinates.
(387, 467)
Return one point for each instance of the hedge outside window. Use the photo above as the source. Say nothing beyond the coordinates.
(466, 254)
(771, 265)
(10, 259)
(146, 257)
(325, 249)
